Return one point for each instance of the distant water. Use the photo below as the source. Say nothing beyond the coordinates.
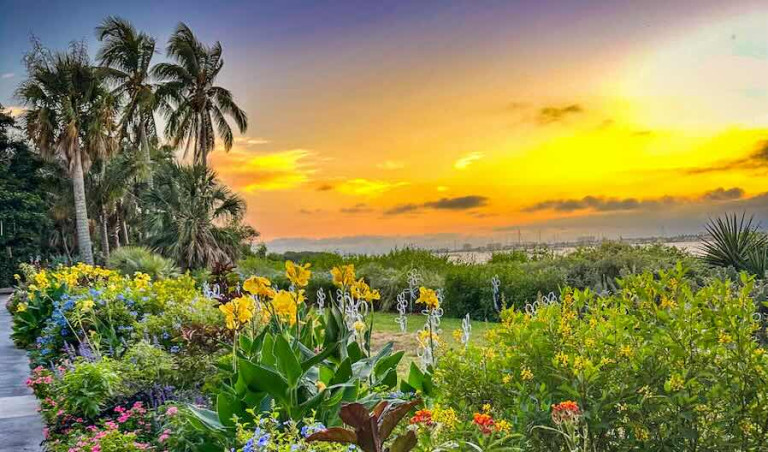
(480, 257)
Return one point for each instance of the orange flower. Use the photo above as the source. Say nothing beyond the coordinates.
(485, 422)
(423, 417)
(567, 411)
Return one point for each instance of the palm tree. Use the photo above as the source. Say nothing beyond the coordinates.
(193, 218)
(126, 56)
(193, 106)
(69, 117)
(736, 242)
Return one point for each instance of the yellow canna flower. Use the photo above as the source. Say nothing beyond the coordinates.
(359, 326)
(259, 286)
(284, 304)
(344, 275)
(238, 312)
(428, 298)
(362, 291)
(298, 274)
(526, 374)
(21, 307)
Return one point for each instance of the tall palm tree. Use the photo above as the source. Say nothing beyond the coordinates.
(193, 106)
(70, 117)
(126, 55)
(193, 218)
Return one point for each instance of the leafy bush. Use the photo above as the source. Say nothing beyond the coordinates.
(468, 288)
(87, 388)
(658, 366)
(131, 259)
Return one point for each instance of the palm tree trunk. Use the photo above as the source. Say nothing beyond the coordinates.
(104, 234)
(123, 228)
(81, 212)
(147, 155)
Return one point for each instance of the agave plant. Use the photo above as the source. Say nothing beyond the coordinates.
(736, 242)
(371, 430)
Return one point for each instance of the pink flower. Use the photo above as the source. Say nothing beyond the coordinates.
(171, 411)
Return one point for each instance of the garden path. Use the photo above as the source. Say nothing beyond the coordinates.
(21, 429)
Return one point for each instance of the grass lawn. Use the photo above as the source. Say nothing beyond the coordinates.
(385, 329)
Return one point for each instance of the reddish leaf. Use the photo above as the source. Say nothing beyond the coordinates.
(379, 408)
(392, 415)
(334, 434)
(354, 415)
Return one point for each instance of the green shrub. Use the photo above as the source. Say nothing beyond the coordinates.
(144, 365)
(87, 388)
(658, 366)
(131, 259)
(468, 288)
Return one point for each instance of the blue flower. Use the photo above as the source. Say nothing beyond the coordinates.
(175, 349)
(249, 446)
(308, 430)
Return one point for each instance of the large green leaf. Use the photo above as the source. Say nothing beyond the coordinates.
(264, 379)
(287, 361)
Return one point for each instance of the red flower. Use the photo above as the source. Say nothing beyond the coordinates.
(485, 422)
(423, 417)
(567, 411)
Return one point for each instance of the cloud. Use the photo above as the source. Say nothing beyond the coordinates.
(391, 165)
(757, 159)
(367, 187)
(549, 115)
(309, 212)
(606, 204)
(721, 194)
(401, 209)
(357, 208)
(467, 160)
(458, 203)
(7, 75)
(250, 172)
(251, 140)
(324, 187)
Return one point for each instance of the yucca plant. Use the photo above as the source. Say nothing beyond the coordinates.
(736, 242)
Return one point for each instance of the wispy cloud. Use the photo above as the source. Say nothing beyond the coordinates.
(458, 203)
(391, 165)
(7, 75)
(357, 208)
(607, 204)
(549, 115)
(251, 140)
(467, 160)
(367, 187)
(249, 172)
(758, 159)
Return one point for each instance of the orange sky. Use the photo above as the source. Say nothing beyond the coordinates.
(444, 142)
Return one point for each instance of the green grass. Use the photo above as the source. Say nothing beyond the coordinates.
(385, 330)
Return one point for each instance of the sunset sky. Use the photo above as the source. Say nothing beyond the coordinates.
(443, 122)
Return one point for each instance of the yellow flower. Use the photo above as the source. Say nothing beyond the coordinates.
(284, 304)
(297, 274)
(486, 408)
(424, 338)
(344, 275)
(526, 374)
(259, 286)
(457, 335)
(21, 307)
(238, 312)
(502, 425)
(506, 379)
(141, 280)
(625, 351)
(359, 326)
(724, 338)
(428, 298)
(16, 277)
(320, 386)
(445, 416)
(561, 359)
(86, 305)
(362, 291)
(676, 382)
